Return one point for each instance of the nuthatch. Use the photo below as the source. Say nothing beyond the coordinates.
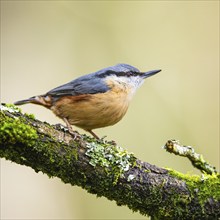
(95, 100)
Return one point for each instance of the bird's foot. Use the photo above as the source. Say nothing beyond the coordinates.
(61, 127)
(65, 129)
(74, 134)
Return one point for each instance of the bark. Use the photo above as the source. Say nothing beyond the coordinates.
(105, 169)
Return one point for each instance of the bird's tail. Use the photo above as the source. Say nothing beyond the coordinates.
(39, 100)
(25, 101)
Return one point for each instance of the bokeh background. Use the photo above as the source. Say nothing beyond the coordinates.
(47, 43)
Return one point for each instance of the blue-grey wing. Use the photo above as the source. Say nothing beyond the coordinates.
(87, 84)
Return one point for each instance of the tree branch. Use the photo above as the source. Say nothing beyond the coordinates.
(105, 169)
(197, 160)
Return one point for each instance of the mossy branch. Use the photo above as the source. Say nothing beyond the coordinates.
(197, 160)
(105, 169)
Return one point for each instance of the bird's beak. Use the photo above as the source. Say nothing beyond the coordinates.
(150, 73)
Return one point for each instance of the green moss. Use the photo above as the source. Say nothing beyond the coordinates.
(16, 131)
(113, 158)
(74, 151)
(13, 129)
(10, 108)
(199, 188)
(31, 116)
(13, 108)
(201, 185)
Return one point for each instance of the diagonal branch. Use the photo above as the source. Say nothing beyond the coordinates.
(105, 169)
(197, 160)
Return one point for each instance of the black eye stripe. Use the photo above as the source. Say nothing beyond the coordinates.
(128, 74)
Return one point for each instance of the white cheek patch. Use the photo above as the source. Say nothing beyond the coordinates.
(132, 81)
(128, 83)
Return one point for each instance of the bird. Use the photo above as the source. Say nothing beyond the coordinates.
(95, 100)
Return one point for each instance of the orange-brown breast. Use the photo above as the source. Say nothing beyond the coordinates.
(92, 111)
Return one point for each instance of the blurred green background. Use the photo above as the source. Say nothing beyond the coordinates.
(47, 43)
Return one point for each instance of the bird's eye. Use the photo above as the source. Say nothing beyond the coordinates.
(47, 98)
